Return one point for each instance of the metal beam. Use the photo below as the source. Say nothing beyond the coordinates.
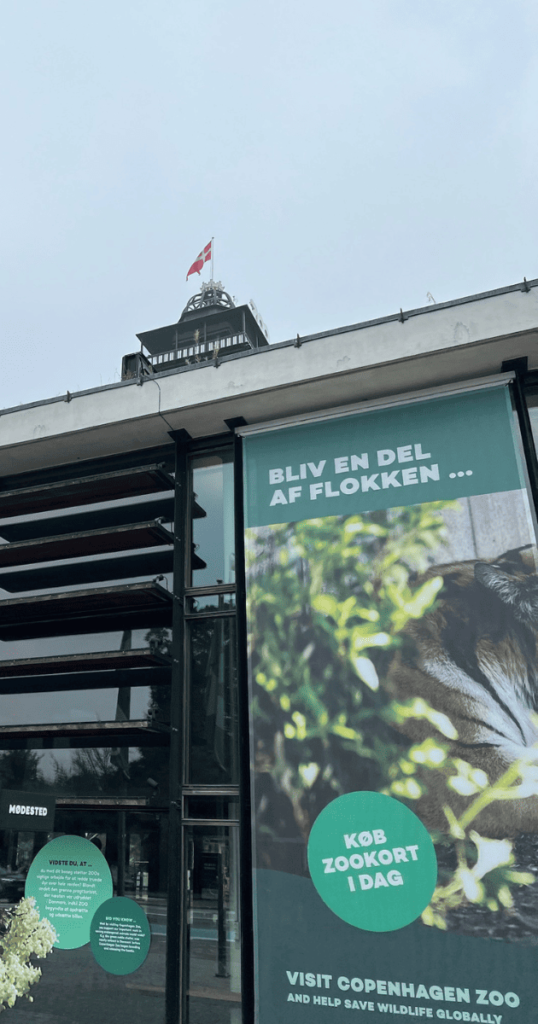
(175, 953)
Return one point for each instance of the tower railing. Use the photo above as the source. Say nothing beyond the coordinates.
(201, 351)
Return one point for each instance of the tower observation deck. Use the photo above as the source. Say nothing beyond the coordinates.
(210, 326)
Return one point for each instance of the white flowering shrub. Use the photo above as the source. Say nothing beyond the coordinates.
(25, 936)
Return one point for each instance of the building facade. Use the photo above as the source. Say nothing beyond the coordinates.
(137, 706)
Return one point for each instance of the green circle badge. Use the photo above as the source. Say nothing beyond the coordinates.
(120, 936)
(372, 861)
(69, 878)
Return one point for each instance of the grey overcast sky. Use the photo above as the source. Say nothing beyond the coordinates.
(348, 157)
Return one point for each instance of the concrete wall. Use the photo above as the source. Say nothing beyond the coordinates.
(487, 526)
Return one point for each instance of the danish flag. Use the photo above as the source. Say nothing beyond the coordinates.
(202, 258)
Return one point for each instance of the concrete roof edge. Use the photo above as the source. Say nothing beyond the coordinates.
(408, 313)
(524, 286)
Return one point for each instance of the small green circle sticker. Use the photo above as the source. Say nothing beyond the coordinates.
(120, 935)
(69, 879)
(372, 861)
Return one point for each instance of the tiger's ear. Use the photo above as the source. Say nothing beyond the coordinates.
(500, 583)
(529, 557)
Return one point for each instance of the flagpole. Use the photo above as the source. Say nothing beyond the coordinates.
(212, 247)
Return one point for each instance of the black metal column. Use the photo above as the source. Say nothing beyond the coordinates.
(519, 366)
(122, 853)
(175, 996)
(247, 932)
(222, 955)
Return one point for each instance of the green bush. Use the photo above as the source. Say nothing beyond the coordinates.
(25, 936)
(328, 600)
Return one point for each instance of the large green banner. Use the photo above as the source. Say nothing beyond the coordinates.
(393, 614)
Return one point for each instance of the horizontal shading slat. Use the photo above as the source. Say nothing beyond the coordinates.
(97, 519)
(115, 803)
(86, 490)
(130, 606)
(106, 730)
(93, 571)
(89, 542)
(94, 660)
(50, 741)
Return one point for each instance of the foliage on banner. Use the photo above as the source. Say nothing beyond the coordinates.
(329, 599)
(485, 871)
(25, 936)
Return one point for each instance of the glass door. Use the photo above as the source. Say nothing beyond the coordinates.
(211, 924)
(213, 934)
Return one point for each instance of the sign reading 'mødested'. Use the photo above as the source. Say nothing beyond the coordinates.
(28, 812)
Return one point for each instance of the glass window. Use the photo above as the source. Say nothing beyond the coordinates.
(85, 719)
(212, 715)
(212, 807)
(72, 986)
(213, 520)
(117, 704)
(56, 765)
(157, 639)
(210, 603)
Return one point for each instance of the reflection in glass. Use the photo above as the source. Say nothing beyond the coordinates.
(213, 534)
(223, 807)
(210, 603)
(87, 771)
(213, 702)
(213, 925)
(117, 704)
(85, 643)
(135, 847)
